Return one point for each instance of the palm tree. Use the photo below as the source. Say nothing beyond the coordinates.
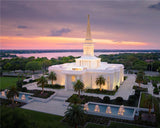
(78, 86)
(100, 81)
(139, 78)
(148, 102)
(75, 115)
(52, 76)
(75, 100)
(12, 93)
(42, 81)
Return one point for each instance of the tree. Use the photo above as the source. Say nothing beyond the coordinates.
(52, 76)
(45, 64)
(139, 78)
(11, 93)
(148, 102)
(33, 65)
(42, 81)
(7, 66)
(75, 115)
(100, 81)
(78, 86)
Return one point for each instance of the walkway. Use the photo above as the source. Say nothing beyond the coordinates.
(126, 89)
(56, 106)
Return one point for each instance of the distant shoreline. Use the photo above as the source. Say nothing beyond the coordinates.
(56, 51)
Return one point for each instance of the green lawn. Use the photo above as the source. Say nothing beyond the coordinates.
(112, 125)
(37, 119)
(7, 81)
(122, 125)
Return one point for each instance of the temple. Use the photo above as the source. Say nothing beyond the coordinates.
(87, 68)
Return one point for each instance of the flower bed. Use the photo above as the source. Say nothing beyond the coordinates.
(7, 102)
(37, 93)
(45, 94)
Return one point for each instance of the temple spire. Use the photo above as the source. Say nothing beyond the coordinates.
(88, 35)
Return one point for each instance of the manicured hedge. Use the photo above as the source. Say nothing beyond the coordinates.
(140, 88)
(55, 86)
(97, 91)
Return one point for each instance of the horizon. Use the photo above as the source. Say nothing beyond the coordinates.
(57, 25)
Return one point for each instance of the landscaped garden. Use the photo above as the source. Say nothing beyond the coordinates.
(132, 100)
(5, 82)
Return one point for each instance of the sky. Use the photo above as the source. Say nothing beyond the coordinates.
(62, 24)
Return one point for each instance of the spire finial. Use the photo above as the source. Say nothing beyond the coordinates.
(88, 35)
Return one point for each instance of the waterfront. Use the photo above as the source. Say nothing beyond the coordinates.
(61, 54)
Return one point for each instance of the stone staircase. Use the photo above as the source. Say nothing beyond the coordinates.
(60, 98)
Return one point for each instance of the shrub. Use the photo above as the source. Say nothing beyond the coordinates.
(155, 91)
(155, 85)
(24, 89)
(55, 86)
(106, 99)
(119, 100)
(107, 92)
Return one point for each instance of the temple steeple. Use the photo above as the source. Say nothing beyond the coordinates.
(88, 60)
(88, 34)
(88, 46)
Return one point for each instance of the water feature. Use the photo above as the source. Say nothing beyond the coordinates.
(97, 108)
(25, 97)
(115, 111)
(108, 110)
(86, 107)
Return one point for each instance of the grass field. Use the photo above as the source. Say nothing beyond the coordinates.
(112, 125)
(7, 81)
(38, 119)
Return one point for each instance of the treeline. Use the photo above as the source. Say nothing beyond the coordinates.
(32, 63)
(75, 50)
(138, 61)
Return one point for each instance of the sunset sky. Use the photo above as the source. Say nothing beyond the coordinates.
(61, 24)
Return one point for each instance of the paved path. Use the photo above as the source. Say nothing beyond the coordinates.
(126, 89)
(56, 106)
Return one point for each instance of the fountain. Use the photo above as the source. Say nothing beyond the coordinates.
(97, 108)
(3, 93)
(86, 107)
(16, 97)
(121, 110)
(108, 110)
(23, 97)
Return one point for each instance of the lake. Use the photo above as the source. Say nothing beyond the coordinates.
(61, 54)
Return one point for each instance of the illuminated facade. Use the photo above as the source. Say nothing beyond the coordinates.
(88, 68)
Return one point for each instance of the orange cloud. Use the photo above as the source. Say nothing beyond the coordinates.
(60, 43)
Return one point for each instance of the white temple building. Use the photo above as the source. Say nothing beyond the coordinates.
(88, 68)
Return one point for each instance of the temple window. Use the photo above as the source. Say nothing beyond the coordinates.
(73, 78)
